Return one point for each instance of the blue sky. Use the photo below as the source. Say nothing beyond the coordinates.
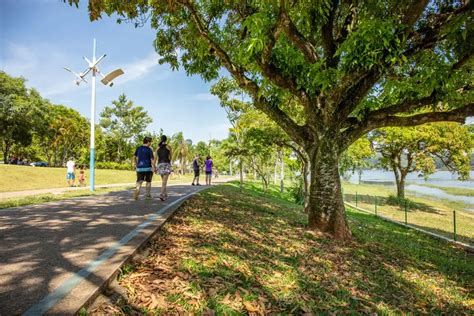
(39, 37)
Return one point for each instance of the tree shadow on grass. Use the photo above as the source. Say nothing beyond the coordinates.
(243, 247)
(391, 201)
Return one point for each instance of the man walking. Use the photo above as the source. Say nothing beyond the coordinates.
(145, 166)
(196, 168)
(71, 169)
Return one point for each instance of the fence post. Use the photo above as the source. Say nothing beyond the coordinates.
(406, 206)
(356, 198)
(454, 222)
(375, 203)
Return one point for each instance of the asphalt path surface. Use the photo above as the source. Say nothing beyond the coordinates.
(47, 249)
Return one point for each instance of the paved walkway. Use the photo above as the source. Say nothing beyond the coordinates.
(16, 194)
(55, 256)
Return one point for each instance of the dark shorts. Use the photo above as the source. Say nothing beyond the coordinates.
(196, 172)
(144, 176)
(208, 173)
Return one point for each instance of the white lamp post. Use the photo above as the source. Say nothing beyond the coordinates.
(106, 80)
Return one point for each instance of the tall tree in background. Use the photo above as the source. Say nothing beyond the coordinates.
(356, 157)
(181, 149)
(406, 150)
(122, 122)
(352, 66)
(20, 113)
(64, 134)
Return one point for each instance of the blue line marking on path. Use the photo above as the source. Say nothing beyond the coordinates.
(67, 286)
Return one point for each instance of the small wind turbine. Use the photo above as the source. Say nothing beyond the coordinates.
(106, 80)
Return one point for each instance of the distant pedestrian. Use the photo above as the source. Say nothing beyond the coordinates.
(145, 166)
(208, 166)
(82, 176)
(71, 169)
(163, 167)
(197, 169)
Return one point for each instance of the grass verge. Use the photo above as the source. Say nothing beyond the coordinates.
(432, 214)
(21, 178)
(451, 190)
(232, 253)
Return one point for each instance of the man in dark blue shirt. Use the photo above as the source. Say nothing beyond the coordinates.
(145, 166)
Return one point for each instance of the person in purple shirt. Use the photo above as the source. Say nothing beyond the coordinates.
(208, 169)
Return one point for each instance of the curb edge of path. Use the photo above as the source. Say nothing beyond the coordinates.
(84, 286)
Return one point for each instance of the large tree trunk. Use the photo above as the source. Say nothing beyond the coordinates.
(325, 207)
(6, 151)
(400, 177)
(400, 180)
(282, 172)
(241, 174)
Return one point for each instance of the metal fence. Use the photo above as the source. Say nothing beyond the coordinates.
(452, 225)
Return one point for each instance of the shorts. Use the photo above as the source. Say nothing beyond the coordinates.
(70, 176)
(208, 173)
(196, 172)
(144, 176)
(164, 168)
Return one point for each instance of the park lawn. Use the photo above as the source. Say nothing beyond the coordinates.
(452, 190)
(232, 253)
(432, 214)
(20, 178)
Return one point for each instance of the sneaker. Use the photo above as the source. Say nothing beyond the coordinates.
(148, 197)
(198, 184)
(135, 194)
(193, 183)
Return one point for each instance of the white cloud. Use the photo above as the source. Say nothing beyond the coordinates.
(42, 66)
(141, 67)
(205, 97)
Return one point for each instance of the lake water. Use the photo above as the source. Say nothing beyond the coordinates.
(414, 183)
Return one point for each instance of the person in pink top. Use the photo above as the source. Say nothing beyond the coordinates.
(208, 169)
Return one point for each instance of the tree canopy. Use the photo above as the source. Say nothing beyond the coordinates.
(350, 66)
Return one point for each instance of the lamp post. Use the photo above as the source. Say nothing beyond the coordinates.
(106, 80)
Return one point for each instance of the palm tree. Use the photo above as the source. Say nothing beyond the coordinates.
(181, 150)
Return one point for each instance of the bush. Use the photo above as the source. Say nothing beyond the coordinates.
(113, 165)
(297, 191)
(398, 201)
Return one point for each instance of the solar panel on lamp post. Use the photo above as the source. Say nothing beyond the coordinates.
(106, 80)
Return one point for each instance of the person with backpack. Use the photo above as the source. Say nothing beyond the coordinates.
(163, 167)
(196, 168)
(145, 166)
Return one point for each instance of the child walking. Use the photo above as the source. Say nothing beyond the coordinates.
(82, 176)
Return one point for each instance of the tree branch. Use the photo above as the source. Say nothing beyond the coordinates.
(328, 37)
(429, 35)
(348, 24)
(372, 122)
(297, 38)
(296, 132)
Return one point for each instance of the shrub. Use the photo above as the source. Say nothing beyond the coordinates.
(297, 191)
(398, 201)
(113, 165)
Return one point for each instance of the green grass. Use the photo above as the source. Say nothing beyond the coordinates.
(238, 253)
(20, 178)
(453, 191)
(428, 213)
(43, 198)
